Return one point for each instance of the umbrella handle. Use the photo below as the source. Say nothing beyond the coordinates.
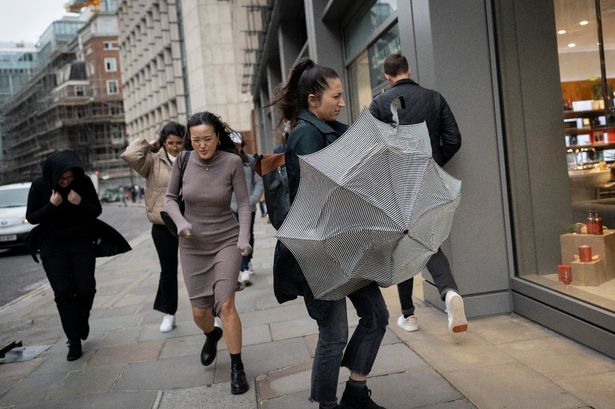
(396, 104)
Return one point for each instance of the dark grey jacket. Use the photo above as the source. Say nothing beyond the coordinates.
(422, 105)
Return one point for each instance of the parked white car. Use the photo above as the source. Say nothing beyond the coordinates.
(13, 224)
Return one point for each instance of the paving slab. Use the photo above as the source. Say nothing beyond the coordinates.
(5, 386)
(264, 358)
(285, 381)
(108, 400)
(33, 388)
(511, 385)
(165, 374)
(19, 370)
(120, 337)
(598, 390)
(208, 397)
(396, 358)
(122, 354)
(293, 328)
(559, 358)
(87, 381)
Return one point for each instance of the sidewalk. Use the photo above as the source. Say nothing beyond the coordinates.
(503, 361)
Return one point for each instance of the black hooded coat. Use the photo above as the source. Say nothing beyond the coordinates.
(68, 228)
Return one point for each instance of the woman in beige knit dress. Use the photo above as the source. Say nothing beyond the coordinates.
(211, 243)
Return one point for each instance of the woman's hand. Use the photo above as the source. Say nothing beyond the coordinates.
(56, 198)
(74, 197)
(187, 233)
(246, 249)
(155, 144)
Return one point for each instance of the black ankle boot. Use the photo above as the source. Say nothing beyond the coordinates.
(74, 350)
(208, 353)
(239, 384)
(358, 398)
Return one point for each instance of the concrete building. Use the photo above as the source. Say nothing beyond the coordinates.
(181, 57)
(18, 62)
(504, 66)
(74, 101)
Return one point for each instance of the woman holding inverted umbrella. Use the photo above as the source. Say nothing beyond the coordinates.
(311, 102)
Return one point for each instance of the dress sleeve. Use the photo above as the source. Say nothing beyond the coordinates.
(240, 188)
(171, 202)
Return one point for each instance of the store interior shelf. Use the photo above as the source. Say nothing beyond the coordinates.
(593, 145)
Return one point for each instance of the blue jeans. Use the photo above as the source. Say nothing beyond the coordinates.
(363, 347)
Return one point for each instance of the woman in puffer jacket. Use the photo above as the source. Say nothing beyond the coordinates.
(154, 160)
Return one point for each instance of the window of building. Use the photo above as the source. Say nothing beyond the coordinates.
(109, 45)
(565, 167)
(366, 21)
(110, 64)
(79, 90)
(112, 87)
(366, 72)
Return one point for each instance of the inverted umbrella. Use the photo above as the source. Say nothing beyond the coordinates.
(372, 206)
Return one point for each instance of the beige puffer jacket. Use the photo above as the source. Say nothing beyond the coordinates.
(156, 169)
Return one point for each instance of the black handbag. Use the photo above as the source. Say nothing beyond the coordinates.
(275, 186)
(183, 159)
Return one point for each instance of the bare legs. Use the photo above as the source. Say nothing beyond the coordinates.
(231, 323)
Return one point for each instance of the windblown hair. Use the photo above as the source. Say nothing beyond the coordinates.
(220, 128)
(396, 64)
(171, 128)
(305, 78)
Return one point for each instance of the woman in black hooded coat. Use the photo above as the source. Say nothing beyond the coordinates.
(64, 203)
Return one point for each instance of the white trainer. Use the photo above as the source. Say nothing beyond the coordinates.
(409, 324)
(457, 321)
(245, 276)
(168, 323)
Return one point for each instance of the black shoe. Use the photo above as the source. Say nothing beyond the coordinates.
(208, 353)
(74, 350)
(358, 398)
(239, 384)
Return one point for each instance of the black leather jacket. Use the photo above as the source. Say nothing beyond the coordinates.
(422, 105)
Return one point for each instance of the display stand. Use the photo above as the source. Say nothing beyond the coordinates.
(602, 245)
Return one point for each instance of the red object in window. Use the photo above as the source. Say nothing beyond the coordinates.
(585, 254)
(564, 273)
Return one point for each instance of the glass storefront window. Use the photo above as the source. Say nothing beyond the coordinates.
(586, 58)
(366, 73)
(366, 22)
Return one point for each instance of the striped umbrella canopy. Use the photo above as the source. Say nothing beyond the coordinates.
(372, 206)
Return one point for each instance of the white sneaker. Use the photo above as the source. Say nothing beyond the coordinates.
(217, 322)
(168, 323)
(457, 321)
(245, 276)
(409, 324)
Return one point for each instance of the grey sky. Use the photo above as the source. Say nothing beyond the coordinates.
(26, 20)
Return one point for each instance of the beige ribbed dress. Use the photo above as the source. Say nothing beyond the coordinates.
(211, 259)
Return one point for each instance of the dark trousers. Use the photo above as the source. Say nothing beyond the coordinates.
(245, 260)
(440, 271)
(166, 247)
(362, 348)
(72, 279)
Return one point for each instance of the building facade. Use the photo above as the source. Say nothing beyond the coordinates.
(506, 69)
(74, 101)
(18, 62)
(181, 57)
(154, 86)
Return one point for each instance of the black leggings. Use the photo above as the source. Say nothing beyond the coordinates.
(72, 279)
(166, 247)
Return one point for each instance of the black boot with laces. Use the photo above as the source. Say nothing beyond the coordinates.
(358, 397)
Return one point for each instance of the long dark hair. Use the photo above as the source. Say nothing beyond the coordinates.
(171, 128)
(220, 128)
(305, 78)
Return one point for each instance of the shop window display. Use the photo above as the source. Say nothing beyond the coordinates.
(585, 31)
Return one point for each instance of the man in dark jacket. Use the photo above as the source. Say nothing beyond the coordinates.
(422, 104)
(64, 203)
